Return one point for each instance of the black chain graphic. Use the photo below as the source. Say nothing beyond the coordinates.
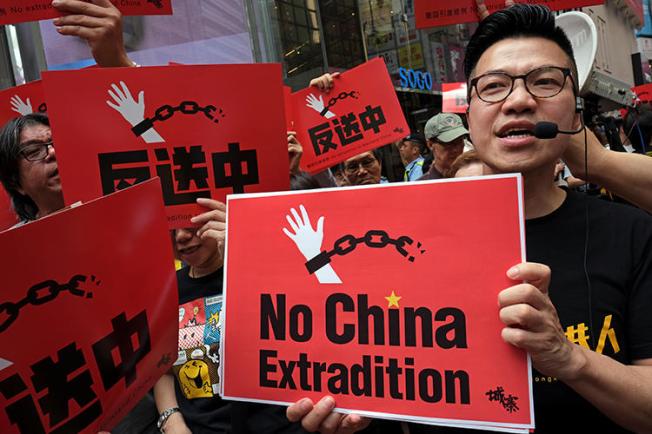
(42, 293)
(157, 3)
(376, 239)
(166, 111)
(42, 108)
(342, 96)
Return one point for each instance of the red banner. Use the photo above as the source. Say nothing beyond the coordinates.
(453, 98)
(7, 215)
(205, 130)
(18, 11)
(21, 100)
(361, 112)
(375, 307)
(89, 308)
(432, 13)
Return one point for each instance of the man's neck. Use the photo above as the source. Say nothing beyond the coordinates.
(440, 169)
(542, 196)
(411, 161)
(206, 269)
(47, 208)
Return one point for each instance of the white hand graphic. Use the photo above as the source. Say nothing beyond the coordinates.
(309, 241)
(317, 104)
(17, 105)
(133, 111)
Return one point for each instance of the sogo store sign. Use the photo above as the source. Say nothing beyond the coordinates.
(415, 79)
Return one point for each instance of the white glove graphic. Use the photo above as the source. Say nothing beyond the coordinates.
(317, 104)
(17, 105)
(309, 241)
(132, 111)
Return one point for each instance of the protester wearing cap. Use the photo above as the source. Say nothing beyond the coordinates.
(410, 150)
(445, 134)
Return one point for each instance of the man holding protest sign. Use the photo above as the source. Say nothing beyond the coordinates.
(584, 315)
(588, 285)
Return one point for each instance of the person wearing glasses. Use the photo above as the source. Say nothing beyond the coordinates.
(581, 307)
(28, 167)
(363, 169)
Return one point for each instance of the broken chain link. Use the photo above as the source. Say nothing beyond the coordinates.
(374, 238)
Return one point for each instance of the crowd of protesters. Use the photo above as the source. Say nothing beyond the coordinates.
(508, 58)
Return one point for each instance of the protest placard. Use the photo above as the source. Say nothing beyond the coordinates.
(21, 100)
(18, 11)
(205, 130)
(89, 308)
(392, 312)
(361, 112)
(431, 13)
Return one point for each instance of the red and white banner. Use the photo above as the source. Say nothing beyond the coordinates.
(432, 13)
(21, 100)
(205, 130)
(361, 112)
(18, 11)
(453, 98)
(375, 305)
(88, 314)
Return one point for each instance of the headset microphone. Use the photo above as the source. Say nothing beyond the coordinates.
(549, 130)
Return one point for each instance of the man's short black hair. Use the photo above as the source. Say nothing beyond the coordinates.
(9, 158)
(519, 20)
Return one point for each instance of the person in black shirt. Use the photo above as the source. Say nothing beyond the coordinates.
(581, 308)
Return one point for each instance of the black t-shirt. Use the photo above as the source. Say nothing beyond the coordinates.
(196, 386)
(196, 369)
(619, 265)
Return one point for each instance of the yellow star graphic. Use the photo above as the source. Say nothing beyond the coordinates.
(393, 300)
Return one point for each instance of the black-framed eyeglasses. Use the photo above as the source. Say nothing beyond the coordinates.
(544, 82)
(353, 166)
(36, 151)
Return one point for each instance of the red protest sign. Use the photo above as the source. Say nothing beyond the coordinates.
(21, 100)
(206, 137)
(388, 320)
(89, 307)
(7, 215)
(432, 13)
(453, 98)
(18, 11)
(360, 113)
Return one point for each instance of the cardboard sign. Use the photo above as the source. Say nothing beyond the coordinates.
(432, 13)
(21, 100)
(205, 130)
(89, 308)
(453, 98)
(18, 11)
(374, 304)
(360, 113)
(8, 217)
